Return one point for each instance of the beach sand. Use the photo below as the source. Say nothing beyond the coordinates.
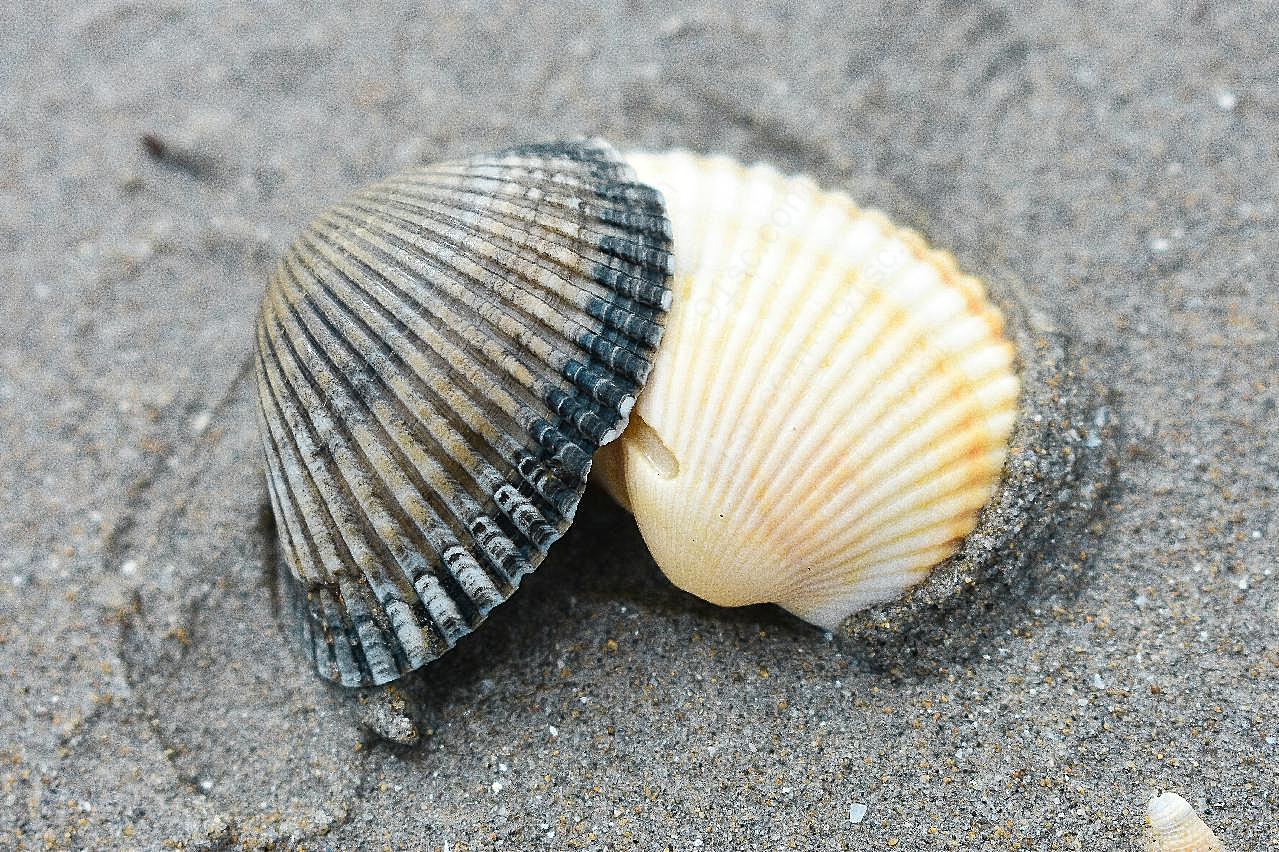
(155, 159)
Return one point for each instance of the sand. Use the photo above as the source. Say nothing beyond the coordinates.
(155, 157)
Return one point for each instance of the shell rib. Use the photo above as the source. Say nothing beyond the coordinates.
(830, 409)
(1173, 826)
(438, 358)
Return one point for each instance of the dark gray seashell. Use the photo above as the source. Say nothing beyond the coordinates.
(438, 358)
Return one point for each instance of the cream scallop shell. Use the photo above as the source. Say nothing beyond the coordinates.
(830, 409)
(1173, 826)
(438, 358)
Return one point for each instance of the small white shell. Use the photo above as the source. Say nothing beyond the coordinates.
(831, 405)
(1173, 826)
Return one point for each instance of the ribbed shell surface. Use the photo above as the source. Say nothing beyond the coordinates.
(1173, 826)
(438, 358)
(830, 409)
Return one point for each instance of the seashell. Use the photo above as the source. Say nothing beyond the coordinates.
(1173, 826)
(438, 358)
(830, 412)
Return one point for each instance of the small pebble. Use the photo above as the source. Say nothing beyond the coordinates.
(200, 422)
(384, 713)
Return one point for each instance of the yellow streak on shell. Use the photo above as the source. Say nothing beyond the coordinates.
(830, 407)
(1173, 826)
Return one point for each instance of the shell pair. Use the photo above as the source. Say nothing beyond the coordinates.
(440, 356)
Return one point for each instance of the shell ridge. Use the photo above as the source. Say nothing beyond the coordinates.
(744, 247)
(615, 355)
(365, 534)
(300, 604)
(372, 652)
(586, 421)
(412, 505)
(735, 236)
(508, 333)
(591, 149)
(391, 526)
(558, 267)
(322, 540)
(475, 423)
(657, 405)
(445, 331)
(414, 648)
(329, 641)
(622, 316)
(1173, 826)
(295, 524)
(273, 473)
(780, 468)
(398, 421)
(620, 191)
(878, 534)
(698, 320)
(338, 641)
(819, 315)
(938, 537)
(433, 378)
(871, 400)
(908, 482)
(282, 504)
(607, 176)
(762, 349)
(871, 458)
(552, 438)
(569, 169)
(288, 546)
(563, 264)
(938, 532)
(411, 407)
(370, 639)
(573, 215)
(338, 644)
(876, 456)
(355, 527)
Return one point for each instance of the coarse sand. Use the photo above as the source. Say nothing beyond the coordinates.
(1119, 160)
